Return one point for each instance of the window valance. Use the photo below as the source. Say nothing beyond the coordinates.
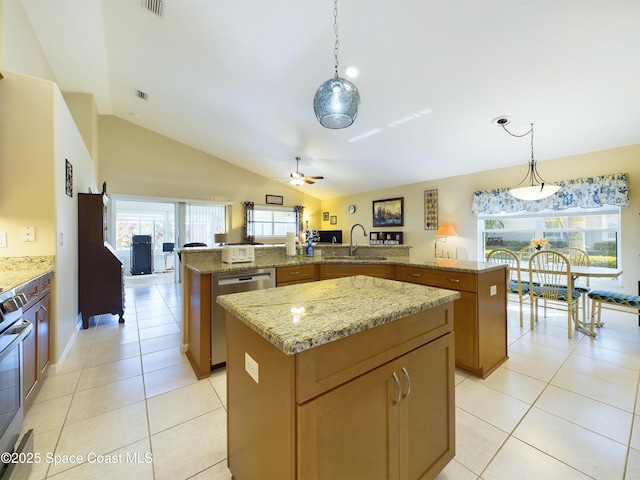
(588, 192)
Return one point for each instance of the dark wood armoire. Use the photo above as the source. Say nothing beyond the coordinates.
(101, 273)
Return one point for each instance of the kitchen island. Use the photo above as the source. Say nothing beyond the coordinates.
(343, 378)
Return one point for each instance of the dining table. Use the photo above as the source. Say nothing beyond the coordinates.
(587, 271)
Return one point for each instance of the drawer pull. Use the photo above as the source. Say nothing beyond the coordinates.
(406, 376)
(295, 273)
(454, 280)
(416, 274)
(397, 380)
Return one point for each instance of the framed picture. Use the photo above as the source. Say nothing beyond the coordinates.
(334, 219)
(431, 209)
(275, 200)
(325, 216)
(389, 212)
(68, 177)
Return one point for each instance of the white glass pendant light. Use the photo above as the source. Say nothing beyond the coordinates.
(532, 186)
(336, 101)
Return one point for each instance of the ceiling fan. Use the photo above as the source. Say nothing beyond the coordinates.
(297, 178)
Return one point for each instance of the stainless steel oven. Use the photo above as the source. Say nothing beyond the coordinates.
(13, 330)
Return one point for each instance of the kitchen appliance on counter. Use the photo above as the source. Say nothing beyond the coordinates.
(232, 282)
(13, 330)
(238, 253)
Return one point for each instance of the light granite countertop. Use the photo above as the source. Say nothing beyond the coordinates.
(15, 271)
(299, 317)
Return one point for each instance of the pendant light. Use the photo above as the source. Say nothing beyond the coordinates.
(336, 101)
(532, 186)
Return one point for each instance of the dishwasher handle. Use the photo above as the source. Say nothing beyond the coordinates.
(248, 278)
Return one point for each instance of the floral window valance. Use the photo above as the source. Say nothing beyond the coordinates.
(588, 192)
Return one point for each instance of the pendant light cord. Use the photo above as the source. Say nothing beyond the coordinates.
(533, 171)
(335, 29)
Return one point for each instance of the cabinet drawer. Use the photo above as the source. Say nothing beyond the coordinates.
(338, 270)
(437, 278)
(32, 291)
(45, 284)
(297, 273)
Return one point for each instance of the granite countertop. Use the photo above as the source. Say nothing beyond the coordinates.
(15, 271)
(212, 265)
(299, 317)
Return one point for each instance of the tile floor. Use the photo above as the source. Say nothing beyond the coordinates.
(127, 401)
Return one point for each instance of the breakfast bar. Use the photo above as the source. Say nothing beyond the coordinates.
(342, 378)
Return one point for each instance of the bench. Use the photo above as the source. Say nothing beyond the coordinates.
(621, 302)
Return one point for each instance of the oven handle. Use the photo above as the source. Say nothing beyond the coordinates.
(20, 331)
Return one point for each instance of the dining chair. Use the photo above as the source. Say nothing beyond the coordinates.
(525, 253)
(579, 257)
(549, 275)
(514, 280)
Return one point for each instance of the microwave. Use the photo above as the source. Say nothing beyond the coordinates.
(238, 253)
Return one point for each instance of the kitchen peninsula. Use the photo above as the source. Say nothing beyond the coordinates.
(343, 378)
(480, 312)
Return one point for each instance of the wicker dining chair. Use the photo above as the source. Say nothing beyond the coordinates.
(549, 275)
(515, 285)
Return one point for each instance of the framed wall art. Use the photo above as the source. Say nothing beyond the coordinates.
(388, 212)
(68, 177)
(274, 200)
(325, 216)
(334, 219)
(431, 209)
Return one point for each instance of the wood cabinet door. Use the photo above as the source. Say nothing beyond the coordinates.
(339, 270)
(29, 352)
(427, 409)
(351, 431)
(42, 328)
(465, 326)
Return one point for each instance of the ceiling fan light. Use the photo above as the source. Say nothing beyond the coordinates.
(296, 181)
(336, 103)
(534, 192)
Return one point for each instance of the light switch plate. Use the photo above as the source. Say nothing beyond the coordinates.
(3, 239)
(493, 289)
(252, 367)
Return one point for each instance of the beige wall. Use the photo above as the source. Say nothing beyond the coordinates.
(137, 161)
(455, 195)
(85, 115)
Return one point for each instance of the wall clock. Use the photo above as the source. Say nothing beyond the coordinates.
(352, 209)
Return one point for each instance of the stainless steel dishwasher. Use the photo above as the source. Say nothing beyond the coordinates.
(232, 282)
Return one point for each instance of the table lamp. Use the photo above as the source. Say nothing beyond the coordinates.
(220, 238)
(445, 230)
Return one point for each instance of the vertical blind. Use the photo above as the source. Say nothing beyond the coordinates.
(203, 221)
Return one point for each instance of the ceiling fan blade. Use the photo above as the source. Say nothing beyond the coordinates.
(306, 180)
(316, 178)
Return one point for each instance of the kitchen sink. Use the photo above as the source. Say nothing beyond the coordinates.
(355, 258)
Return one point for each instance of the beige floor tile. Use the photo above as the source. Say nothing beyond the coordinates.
(194, 400)
(460, 375)
(98, 400)
(563, 342)
(131, 462)
(635, 437)
(156, 321)
(44, 444)
(159, 331)
(590, 348)
(115, 335)
(109, 372)
(530, 366)
(603, 390)
(57, 385)
(633, 465)
(102, 434)
(576, 446)
(539, 352)
(159, 343)
(162, 359)
(47, 415)
(604, 370)
(586, 412)
(517, 460)
(203, 444)
(218, 379)
(111, 353)
(517, 385)
(494, 407)
(456, 471)
(218, 472)
(476, 441)
(167, 379)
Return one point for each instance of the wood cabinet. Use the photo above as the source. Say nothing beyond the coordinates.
(36, 346)
(480, 313)
(100, 275)
(291, 275)
(339, 270)
(376, 404)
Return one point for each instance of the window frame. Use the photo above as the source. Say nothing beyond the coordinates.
(273, 209)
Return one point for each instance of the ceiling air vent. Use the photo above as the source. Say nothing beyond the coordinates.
(154, 6)
(142, 95)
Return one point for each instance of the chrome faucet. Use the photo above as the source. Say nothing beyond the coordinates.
(352, 248)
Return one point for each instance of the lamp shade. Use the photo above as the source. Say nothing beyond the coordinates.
(220, 238)
(446, 230)
(336, 103)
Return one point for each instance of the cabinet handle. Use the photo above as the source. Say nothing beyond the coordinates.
(294, 273)
(397, 380)
(454, 280)
(406, 376)
(416, 275)
(46, 313)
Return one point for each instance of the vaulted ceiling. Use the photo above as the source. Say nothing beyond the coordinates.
(236, 79)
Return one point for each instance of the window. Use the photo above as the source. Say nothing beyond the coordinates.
(143, 218)
(597, 231)
(203, 221)
(274, 222)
